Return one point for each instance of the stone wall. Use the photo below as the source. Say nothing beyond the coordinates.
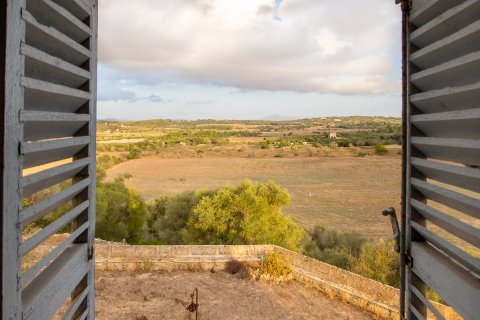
(337, 283)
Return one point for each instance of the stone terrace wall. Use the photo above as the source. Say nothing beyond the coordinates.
(337, 283)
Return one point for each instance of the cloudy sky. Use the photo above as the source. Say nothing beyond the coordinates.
(248, 59)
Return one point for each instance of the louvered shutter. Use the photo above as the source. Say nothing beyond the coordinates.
(443, 156)
(49, 157)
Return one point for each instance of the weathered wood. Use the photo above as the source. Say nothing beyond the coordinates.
(29, 275)
(430, 10)
(464, 151)
(47, 292)
(90, 307)
(40, 125)
(454, 124)
(457, 72)
(75, 305)
(43, 152)
(461, 257)
(464, 177)
(417, 313)
(452, 199)
(448, 99)
(37, 211)
(49, 13)
(76, 7)
(447, 23)
(454, 226)
(42, 66)
(12, 167)
(456, 45)
(459, 288)
(47, 178)
(54, 89)
(52, 228)
(53, 42)
(427, 303)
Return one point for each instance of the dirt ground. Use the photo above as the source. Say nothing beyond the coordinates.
(222, 296)
(345, 193)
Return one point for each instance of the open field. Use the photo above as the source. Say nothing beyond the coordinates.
(153, 296)
(345, 193)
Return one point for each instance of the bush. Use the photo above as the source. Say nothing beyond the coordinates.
(274, 266)
(121, 212)
(381, 149)
(378, 261)
(250, 213)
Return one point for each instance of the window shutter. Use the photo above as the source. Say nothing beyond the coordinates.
(49, 157)
(443, 156)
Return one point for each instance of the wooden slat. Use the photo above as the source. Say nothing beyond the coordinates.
(40, 125)
(460, 256)
(37, 211)
(447, 23)
(44, 96)
(430, 10)
(456, 45)
(457, 72)
(463, 177)
(459, 288)
(453, 124)
(52, 228)
(47, 178)
(454, 226)
(51, 14)
(417, 313)
(76, 7)
(42, 66)
(28, 276)
(43, 152)
(452, 199)
(84, 315)
(54, 89)
(465, 151)
(425, 301)
(47, 292)
(75, 305)
(54, 42)
(448, 99)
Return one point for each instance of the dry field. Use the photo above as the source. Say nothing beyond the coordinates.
(153, 296)
(346, 193)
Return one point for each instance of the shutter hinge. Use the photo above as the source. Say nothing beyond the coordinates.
(406, 260)
(91, 252)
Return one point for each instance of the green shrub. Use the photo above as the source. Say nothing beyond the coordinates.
(249, 213)
(379, 261)
(274, 265)
(381, 149)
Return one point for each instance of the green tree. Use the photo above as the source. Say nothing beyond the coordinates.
(168, 216)
(250, 213)
(121, 212)
(378, 261)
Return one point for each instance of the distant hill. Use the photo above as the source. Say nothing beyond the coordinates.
(278, 117)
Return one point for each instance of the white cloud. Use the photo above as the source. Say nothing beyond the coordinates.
(343, 46)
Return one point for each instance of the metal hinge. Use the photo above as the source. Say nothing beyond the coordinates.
(91, 252)
(406, 260)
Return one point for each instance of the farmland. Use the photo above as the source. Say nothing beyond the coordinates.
(336, 181)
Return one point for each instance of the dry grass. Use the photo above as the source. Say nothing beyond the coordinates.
(221, 296)
(346, 193)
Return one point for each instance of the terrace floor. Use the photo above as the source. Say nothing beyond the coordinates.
(150, 296)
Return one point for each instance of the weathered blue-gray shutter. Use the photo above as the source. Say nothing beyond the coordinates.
(443, 159)
(49, 116)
